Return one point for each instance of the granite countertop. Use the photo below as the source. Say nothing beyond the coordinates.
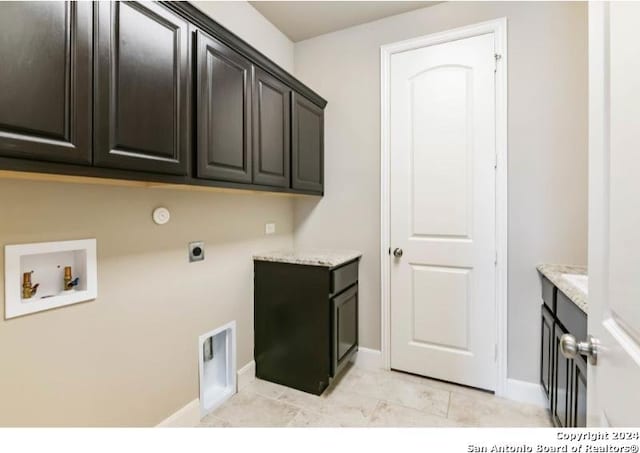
(554, 273)
(324, 258)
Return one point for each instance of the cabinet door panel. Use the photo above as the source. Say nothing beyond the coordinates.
(307, 145)
(45, 80)
(546, 356)
(579, 394)
(224, 112)
(142, 88)
(271, 143)
(561, 382)
(345, 328)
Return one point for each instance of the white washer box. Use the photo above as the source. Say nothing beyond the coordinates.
(217, 367)
(47, 260)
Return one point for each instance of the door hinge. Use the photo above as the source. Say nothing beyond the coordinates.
(497, 57)
(495, 161)
(495, 259)
(495, 352)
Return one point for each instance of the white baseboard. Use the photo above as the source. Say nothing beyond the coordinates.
(525, 392)
(189, 415)
(368, 359)
(185, 417)
(246, 375)
(516, 390)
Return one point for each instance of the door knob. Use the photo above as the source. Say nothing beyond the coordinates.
(570, 348)
(397, 253)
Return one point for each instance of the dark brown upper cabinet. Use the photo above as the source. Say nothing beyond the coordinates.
(307, 147)
(142, 83)
(151, 91)
(224, 112)
(45, 81)
(271, 129)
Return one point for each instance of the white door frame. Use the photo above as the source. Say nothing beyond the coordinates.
(499, 28)
(599, 108)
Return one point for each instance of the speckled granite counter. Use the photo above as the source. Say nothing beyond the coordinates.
(325, 258)
(554, 273)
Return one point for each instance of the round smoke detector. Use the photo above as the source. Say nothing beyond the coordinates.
(161, 215)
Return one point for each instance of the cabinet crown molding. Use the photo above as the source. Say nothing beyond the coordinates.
(206, 23)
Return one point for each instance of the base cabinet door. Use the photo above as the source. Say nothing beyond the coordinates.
(224, 81)
(579, 393)
(562, 368)
(345, 328)
(271, 129)
(141, 111)
(307, 145)
(546, 357)
(45, 81)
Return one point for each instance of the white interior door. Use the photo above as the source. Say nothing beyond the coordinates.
(442, 195)
(614, 214)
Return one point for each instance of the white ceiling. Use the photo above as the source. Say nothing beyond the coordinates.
(301, 20)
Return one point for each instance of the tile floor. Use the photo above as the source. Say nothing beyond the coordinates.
(362, 398)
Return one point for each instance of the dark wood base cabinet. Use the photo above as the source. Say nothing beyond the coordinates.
(564, 380)
(306, 322)
(151, 91)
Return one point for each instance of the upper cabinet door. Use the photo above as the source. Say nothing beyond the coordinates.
(271, 142)
(45, 80)
(307, 145)
(141, 114)
(224, 112)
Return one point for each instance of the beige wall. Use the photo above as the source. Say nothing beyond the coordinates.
(547, 149)
(245, 21)
(130, 357)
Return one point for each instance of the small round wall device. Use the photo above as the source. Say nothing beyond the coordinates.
(161, 215)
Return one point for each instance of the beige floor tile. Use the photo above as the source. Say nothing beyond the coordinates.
(211, 421)
(388, 386)
(247, 409)
(393, 415)
(483, 410)
(310, 419)
(351, 375)
(265, 388)
(374, 398)
(344, 406)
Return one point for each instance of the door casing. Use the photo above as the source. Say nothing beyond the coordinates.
(499, 29)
